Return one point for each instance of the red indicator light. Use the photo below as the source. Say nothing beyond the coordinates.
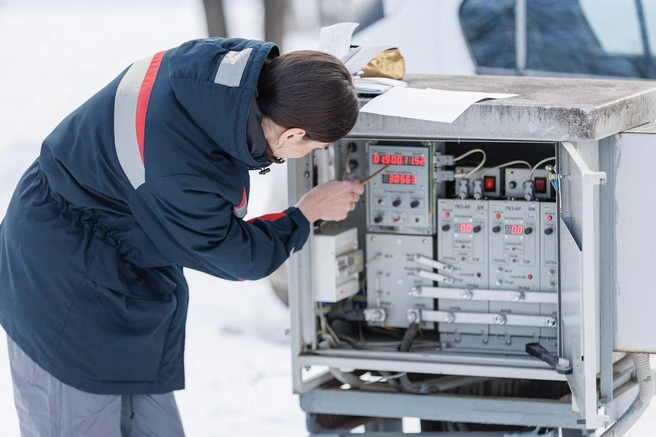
(540, 185)
(489, 183)
(446, 214)
(529, 277)
(498, 216)
(549, 217)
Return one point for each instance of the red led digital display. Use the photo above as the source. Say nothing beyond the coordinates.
(465, 228)
(399, 179)
(514, 229)
(384, 159)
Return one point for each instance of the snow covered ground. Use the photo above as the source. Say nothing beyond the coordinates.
(237, 356)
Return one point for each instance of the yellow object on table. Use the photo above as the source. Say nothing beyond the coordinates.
(388, 63)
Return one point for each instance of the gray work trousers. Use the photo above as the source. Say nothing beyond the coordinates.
(49, 408)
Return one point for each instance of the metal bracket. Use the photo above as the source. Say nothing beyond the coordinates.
(438, 265)
(433, 276)
(561, 365)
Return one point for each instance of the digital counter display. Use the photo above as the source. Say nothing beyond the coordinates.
(465, 228)
(514, 229)
(385, 159)
(399, 179)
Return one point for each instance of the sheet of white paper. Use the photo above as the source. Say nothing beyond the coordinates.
(360, 56)
(426, 104)
(336, 39)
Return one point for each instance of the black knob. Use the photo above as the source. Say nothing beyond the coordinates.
(528, 231)
(446, 227)
(477, 229)
(548, 231)
(396, 202)
(378, 219)
(414, 204)
(496, 229)
(512, 184)
(353, 164)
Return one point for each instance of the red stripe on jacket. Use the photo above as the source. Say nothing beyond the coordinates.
(269, 217)
(243, 199)
(144, 98)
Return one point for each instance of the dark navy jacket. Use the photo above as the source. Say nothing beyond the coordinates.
(148, 176)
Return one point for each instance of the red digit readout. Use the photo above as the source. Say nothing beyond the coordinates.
(399, 179)
(418, 160)
(383, 159)
(466, 228)
(515, 229)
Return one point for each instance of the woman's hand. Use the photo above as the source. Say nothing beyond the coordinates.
(332, 200)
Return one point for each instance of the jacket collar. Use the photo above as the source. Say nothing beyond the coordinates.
(255, 138)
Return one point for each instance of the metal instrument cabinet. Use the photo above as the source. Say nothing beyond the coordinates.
(595, 285)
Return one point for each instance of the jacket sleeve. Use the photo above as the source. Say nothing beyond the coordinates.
(191, 222)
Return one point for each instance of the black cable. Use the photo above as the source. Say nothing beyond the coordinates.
(406, 344)
(409, 337)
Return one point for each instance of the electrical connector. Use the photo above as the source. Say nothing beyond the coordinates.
(529, 191)
(478, 189)
(463, 188)
(443, 160)
(444, 176)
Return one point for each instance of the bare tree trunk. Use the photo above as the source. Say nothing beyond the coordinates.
(216, 25)
(274, 20)
(275, 12)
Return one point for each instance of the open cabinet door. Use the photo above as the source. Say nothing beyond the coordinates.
(579, 279)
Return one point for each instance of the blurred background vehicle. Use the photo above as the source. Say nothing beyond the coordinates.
(604, 38)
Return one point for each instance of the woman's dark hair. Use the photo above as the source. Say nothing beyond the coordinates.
(311, 90)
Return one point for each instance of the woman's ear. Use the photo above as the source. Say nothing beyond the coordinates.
(292, 135)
